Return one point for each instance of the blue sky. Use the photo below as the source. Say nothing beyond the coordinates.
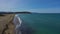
(41, 6)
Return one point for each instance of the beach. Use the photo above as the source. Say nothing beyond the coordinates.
(6, 24)
(38, 23)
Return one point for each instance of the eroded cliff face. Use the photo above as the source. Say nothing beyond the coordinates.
(6, 24)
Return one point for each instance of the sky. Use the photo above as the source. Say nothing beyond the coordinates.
(40, 6)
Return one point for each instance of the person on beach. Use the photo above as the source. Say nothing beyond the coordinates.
(9, 24)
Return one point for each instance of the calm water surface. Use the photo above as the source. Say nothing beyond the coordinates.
(41, 23)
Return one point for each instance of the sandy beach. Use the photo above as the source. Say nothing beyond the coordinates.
(6, 24)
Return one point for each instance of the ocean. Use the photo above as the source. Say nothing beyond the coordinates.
(41, 23)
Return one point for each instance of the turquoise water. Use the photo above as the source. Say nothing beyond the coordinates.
(43, 23)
